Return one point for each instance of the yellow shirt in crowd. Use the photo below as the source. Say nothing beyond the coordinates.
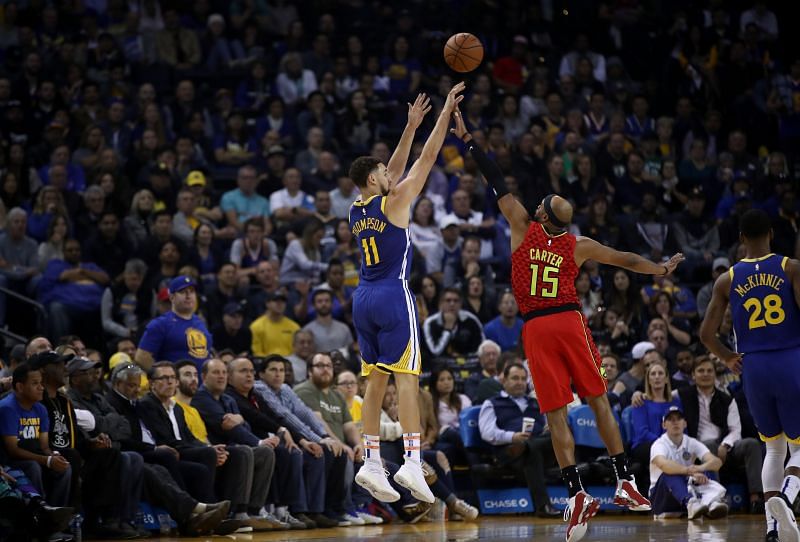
(273, 337)
(194, 421)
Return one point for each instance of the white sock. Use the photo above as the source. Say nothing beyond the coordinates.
(200, 508)
(411, 444)
(372, 449)
(790, 488)
(772, 523)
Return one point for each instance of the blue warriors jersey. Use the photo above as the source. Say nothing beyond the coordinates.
(765, 314)
(385, 248)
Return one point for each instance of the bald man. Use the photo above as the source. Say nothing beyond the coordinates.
(545, 260)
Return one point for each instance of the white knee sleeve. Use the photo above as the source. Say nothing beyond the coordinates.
(772, 471)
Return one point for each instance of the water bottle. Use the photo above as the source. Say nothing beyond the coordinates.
(75, 528)
(163, 524)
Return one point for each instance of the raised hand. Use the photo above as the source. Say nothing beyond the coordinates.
(454, 97)
(418, 110)
(673, 262)
(460, 129)
(734, 362)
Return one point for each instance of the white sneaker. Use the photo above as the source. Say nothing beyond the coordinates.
(696, 508)
(411, 477)
(463, 509)
(353, 518)
(787, 525)
(368, 518)
(373, 478)
(717, 509)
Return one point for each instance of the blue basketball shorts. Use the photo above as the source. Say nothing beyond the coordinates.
(772, 385)
(387, 329)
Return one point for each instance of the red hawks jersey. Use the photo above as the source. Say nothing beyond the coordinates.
(543, 270)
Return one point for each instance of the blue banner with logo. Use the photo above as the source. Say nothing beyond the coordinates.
(515, 500)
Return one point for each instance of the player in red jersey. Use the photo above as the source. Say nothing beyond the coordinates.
(545, 259)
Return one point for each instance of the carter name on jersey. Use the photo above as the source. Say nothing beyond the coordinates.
(546, 257)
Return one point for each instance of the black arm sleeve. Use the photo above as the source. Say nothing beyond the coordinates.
(490, 170)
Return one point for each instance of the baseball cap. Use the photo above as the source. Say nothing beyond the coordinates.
(275, 149)
(181, 283)
(46, 358)
(120, 358)
(233, 308)
(641, 348)
(720, 262)
(76, 365)
(195, 178)
(215, 18)
(674, 409)
(521, 39)
(449, 220)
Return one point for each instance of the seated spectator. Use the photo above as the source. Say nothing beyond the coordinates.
(71, 290)
(300, 419)
(478, 301)
(137, 223)
(452, 331)
(176, 46)
(657, 333)
(683, 304)
(315, 115)
(294, 83)
(60, 157)
(343, 196)
(160, 234)
(677, 483)
(52, 248)
(488, 354)
(254, 247)
(506, 328)
(243, 202)
(230, 333)
(501, 423)
(109, 247)
(303, 349)
(49, 203)
(302, 260)
(629, 381)
(443, 487)
(342, 296)
(225, 290)
(647, 419)
(466, 264)
(126, 306)
(234, 146)
(590, 299)
(609, 365)
(264, 285)
(324, 177)
(345, 249)
(273, 332)
(426, 235)
(186, 220)
(721, 427)
(221, 53)
(19, 265)
(24, 426)
(682, 377)
(205, 254)
(291, 204)
(472, 223)
(448, 404)
(166, 268)
(718, 266)
(614, 330)
(347, 385)
(329, 334)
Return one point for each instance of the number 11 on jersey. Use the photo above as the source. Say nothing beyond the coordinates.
(370, 248)
(549, 287)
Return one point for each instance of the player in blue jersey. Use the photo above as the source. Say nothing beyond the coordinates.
(763, 291)
(384, 311)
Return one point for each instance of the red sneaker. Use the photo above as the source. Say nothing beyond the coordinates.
(628, 496)
(580, 509)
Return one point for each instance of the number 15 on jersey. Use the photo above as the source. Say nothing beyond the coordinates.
(548, 285)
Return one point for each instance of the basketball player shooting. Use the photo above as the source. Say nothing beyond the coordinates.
(545, 259)
(384, 311)
(763, 291)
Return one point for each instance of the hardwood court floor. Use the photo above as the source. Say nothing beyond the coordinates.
(606, 528)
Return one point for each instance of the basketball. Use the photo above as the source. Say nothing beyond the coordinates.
(463, 52)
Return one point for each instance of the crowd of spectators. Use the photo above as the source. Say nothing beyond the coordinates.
(159, 158)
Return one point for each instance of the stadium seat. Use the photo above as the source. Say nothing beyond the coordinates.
(626, 427)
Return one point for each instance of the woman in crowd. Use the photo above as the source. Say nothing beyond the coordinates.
(302, 260)
(137, 223)
(53, 247)
(663, 306)
(426, 235)
(448, 404)
(477, 300)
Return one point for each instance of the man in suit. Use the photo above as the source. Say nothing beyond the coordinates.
(165, 423)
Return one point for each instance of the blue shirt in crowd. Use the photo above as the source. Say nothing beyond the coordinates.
(506, 337)
(647, 421)
(172, 338)
(26, 425)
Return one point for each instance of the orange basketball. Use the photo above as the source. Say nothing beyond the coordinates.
(463, 52)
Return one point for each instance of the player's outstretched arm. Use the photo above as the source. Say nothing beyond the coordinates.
(416, 113)
(399, 200)
(587, 248)
(710, 326)
(513, 210)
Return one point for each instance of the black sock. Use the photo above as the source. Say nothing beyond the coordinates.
(620, 463)
(572, 479)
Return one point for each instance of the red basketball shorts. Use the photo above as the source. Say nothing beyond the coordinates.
(562, 354)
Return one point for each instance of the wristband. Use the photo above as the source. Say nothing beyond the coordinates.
(666, 270)
(49, 460)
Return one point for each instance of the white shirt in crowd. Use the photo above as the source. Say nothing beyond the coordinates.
(684, 453)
